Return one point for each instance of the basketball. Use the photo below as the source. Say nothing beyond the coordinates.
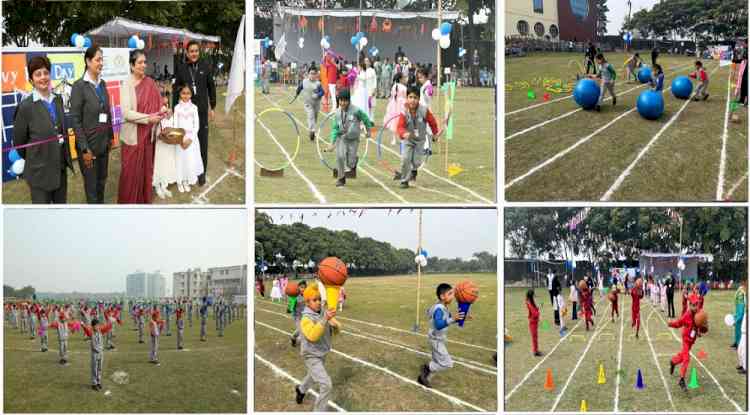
(582, 285)
(332, 271)
(466, 292)
(701, 319)
(292, 289)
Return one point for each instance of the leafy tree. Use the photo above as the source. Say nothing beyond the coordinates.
(601, 18)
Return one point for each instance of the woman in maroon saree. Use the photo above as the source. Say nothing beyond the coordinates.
(141, 102)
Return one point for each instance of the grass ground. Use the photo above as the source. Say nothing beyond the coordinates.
(205, 377)
(229, 183)
(363, 384)
(554, 152)
(575, 361)
(472, 148)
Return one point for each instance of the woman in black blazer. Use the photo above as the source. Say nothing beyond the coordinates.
(40, 118)
(92, 122)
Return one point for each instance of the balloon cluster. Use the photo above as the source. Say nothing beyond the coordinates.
(134, 42)
(359, 41)
(421, 259)
(80, 41)
(442, 35)
(266, 43)
(325, 42)
(17, 163)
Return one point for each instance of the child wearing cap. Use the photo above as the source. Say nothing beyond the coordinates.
(690, 333)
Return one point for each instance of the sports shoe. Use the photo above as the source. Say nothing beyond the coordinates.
(404, 185)
(682, 385)
(340, 182)
(299, 395)
(180, 187)
(414, 175)
(293, 341)
(538, 354)
(396, 176)
(671, 367)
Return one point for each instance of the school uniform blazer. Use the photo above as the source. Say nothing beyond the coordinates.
(85, 108)
(45, 163)
(129, 103)
(205, 99)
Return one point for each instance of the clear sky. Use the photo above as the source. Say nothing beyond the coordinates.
(618, 11)
(92, 250)
(447, 233)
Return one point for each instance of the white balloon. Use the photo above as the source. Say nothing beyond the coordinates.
(80, 40)
(436, 34)
(363, 41)
(418, 259)
(18, 165)
(445, 42)
(141, 44)
(326, 45)
(423, 263)
(270, 43)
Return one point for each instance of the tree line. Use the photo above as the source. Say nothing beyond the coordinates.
(708, 20)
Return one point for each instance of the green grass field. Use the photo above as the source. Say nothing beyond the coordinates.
(575, 360)
(229, 182)
(472, 148)
(204, 377)
(377, 336)
(554, 152)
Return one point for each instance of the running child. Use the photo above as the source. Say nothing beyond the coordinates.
(533, 322)
(440, 320)
(345, 136)
(690, 333)
(412, 129)
(700, 75)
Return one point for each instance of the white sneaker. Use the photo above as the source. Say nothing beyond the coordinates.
(187, 187)
(167, 192)
(160, 192)
(180, 188)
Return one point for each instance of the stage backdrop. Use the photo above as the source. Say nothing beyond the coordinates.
(67, 67)
(385, 30)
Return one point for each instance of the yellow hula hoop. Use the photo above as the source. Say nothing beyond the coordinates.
(296, 128)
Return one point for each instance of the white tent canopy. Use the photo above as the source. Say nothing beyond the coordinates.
(386, 14)
(121, 28)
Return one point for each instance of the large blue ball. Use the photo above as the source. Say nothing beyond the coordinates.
(586, 93)
(650, 105)
(682, 87)
(644, 75)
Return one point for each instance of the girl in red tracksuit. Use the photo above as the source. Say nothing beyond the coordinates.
(690, 333)
(636, 293)
(587, 303)
(533, 322)
(615, 306)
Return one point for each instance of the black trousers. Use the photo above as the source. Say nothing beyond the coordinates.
(590, 64)
(575, 311)
(551, 299)
(670, 305)
(57, 196)
(203, 141)
(95, 178)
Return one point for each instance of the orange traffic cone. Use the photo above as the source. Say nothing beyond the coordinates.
(549, 384)
(702, 355)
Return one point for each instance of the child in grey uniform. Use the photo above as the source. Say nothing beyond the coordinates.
(155, 327)
(607, 75)
(299, 306)
(345, 136)
(95, 332)
(440, 320)
(180, 323)
(317, 330)
(204, 317)
(412, 129)
(168, 312)
(312, 92)
(62, 337)
(43, 326)
(32, 325)
(190, 313)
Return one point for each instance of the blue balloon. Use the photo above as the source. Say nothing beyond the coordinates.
(354, 41)
(73, 39)
(445, 28)
(13, 156)
(133, 42)
(682, 87)
(650, 105)
(360, 35)
(327, 38)
(424, 253)
(586, 93)
(644, 75)
(87, 42)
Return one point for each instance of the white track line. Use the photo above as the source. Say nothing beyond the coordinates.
(530, 107)
(656, 361)
(724, 137)
(399, 330)
(281, 372)
(565, 115)
(386, 188)
(619, 355)
(450, 398)
(708, 372)
(624, 175)
(578, 364)
(736, 185)
(544, 358)
(460, 199)
(466, 363)
(310, 184)
(201, 198)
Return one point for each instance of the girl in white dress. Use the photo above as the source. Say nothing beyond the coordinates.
(360, 96)
(371, 80)
(165, 157)
(189, 162)
(276, 290)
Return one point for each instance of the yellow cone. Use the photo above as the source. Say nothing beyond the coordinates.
(584, 407)
(602, 379)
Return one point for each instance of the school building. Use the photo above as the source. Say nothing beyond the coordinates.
(553, 20)
(145, 285)
(218, 281)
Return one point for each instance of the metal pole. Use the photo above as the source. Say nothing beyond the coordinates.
(439, 72)
(419, 266)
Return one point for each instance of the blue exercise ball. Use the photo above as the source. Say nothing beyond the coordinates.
(644, 75)
(682, 87)
(586, 93)
(650, 105)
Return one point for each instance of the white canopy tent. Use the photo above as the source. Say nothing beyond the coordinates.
(162, 42)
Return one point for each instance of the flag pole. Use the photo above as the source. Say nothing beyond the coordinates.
(419, 266)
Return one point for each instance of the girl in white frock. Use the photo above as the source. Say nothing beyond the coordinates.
(360, 97)
(189, 162)
(276, 290)
(165, 162)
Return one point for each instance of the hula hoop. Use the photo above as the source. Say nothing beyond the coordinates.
(379, 142)
(296, 129)
(319, 138)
